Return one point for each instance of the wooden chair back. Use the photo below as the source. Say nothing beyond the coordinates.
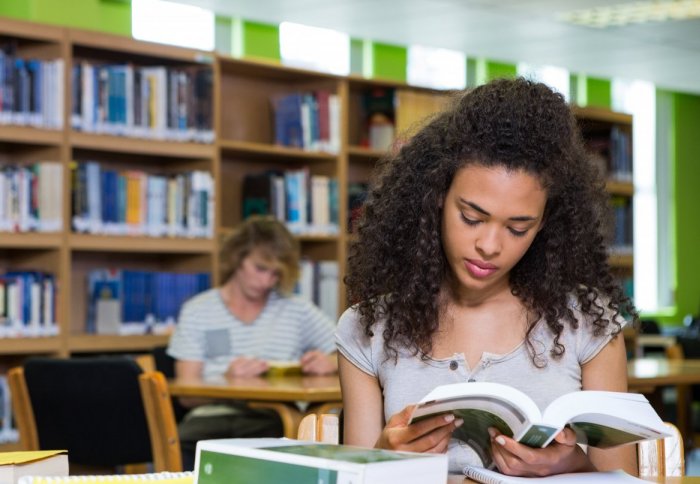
(662, 457)
(319, 428)
(22, 409)
(161, 422)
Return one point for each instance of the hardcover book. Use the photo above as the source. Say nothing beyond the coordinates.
(242, 461)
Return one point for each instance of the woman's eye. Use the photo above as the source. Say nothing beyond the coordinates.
(517, 233)
(468, 221)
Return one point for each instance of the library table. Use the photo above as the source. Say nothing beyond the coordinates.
(279, 393)
(649, 375)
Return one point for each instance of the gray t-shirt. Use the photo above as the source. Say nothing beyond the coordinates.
(286, 328)
(409, 379)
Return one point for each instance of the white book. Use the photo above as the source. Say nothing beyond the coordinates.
(320, 210)
(600, 419)
(328, 275)
(15, 465)
(238, 461)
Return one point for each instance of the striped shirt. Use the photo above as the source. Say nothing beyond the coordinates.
(286, 328)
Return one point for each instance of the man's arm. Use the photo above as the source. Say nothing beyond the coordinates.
(190, 370)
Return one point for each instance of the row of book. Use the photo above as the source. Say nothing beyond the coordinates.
(614, 153)
(133, 202)
(31, 197)
(156, 102)
(318, 282)
(307, 203)
(622, 240)
(308, 120)
(31, 90)
(27, 304)
(138, 302)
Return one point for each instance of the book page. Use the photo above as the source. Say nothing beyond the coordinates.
(482, 405)
(606, 419)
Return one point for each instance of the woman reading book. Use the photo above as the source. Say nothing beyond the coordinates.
(481, 257)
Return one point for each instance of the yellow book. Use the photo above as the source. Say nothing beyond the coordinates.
(159, 477)
(15, 465)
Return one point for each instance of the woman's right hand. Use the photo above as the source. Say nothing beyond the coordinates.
(429, 435)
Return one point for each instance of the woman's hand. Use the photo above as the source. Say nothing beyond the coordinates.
(428, 435)
(245, 367)
(561, 455)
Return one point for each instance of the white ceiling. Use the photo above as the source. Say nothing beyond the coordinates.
(666, 53)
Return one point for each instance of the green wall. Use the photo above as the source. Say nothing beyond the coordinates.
(384, 61)
(112, 16)
(685, 158)
(592, 91)
(487, 70)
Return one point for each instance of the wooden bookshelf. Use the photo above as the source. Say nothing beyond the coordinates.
(608, 135)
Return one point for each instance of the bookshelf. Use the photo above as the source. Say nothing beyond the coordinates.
(242, 140)
(608, 136)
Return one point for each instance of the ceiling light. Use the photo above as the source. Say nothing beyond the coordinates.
(634, 13)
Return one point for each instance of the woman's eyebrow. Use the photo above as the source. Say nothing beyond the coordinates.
(517, 218)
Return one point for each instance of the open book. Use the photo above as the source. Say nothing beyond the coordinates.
(599, 418)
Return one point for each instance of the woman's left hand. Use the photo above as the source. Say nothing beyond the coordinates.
(560, 456)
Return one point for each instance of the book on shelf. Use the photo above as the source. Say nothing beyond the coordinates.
(153, 102)
(31, 90)
(318, 282)
(15, 465)
(27, 304)
(31, 197)
(307, 120)
(234, 461)
(487, 476)
(132, 202)
(138, 302)
(599, 418)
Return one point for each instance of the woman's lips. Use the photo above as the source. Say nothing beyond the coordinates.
(479, 269)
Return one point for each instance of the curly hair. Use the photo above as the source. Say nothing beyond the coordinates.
(397, 266)
(271, 237)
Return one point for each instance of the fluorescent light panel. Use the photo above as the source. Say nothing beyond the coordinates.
(634, 13)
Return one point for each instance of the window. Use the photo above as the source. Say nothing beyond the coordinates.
(436, 68)
(555, 77)
(639, 99)
(172, 23)
(315, 48)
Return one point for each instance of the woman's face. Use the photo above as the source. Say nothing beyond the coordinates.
(490, 218)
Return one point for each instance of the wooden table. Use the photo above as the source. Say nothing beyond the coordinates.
(279, 393)
(649, 375)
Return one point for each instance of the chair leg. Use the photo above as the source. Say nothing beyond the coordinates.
(290, 416)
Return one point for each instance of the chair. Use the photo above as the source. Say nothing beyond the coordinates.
(90, 406)
(662, 457)
(160, 415)
(320, 428)
(165, 364)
